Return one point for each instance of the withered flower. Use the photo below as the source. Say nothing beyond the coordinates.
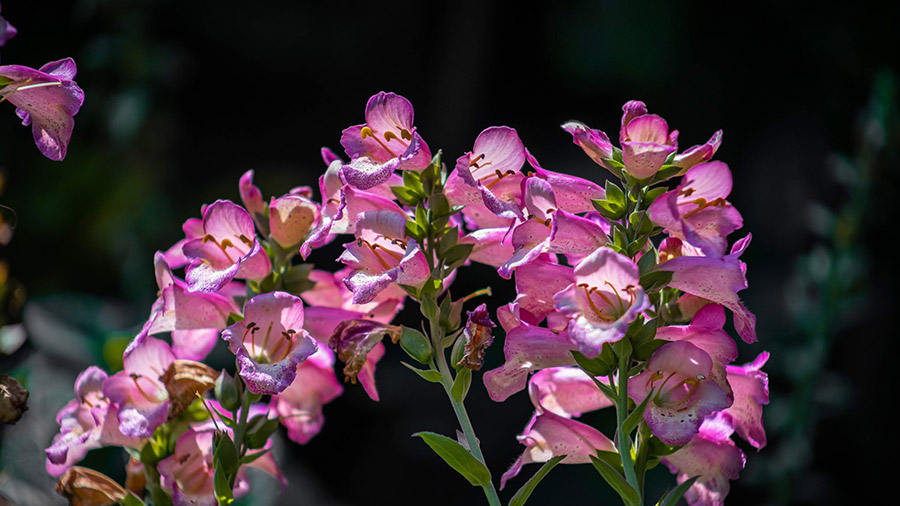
(352, 340)
(184, 379)
(86, 487)
(478, 338)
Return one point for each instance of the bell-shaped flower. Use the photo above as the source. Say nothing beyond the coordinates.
(179, 309)
(568, 391)
(713, 457)
(174, 256)
(386, 142)
(329, 291)
(138, 390)
(604, 299)
(527, 348)
(751, 393)
(490, 246)
(594, 142)
(270, 341)
(188, 474)
(697, 211)
(549, 229)
(489, 175)
(537, 283)
(572, 194)
(717, 280)
(548, 435)
(291, 218)
(681, 389)
(47, 99)
(89, 421)
(646, 141)
(228, 249)
(382, 255)
(299, 406)
(698, 154)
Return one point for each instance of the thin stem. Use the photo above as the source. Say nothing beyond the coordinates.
(624, 442)
(459, 409)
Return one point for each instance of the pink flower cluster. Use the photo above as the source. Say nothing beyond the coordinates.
(587, 274)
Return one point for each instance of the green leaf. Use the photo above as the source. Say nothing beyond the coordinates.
(609, 210)
(651, 195)
(258, 431)
(671, 498)
(131, 500)
(654, 281)
(456, 354)
(457, 255)
(439, 206)
(660, 449)
(428, 307)
(635, 417)
(615, 480)
(429, 375)
(457, 457)
(413, 182)
(646, 263)
(422, 217)
(448, 240)
(614, 194)
(416, 345)
(406, 196)
(414, 230)
(461, 384)
(524, 493)
(666, 171)
(227, 392)
(222, 487)
(234, 318)
(643, 351)
(225, 455)
(269, 283)
(4, 81)
(594, 366)
(410, 290)
(296, 279)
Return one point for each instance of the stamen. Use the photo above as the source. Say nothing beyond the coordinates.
(597, 311)
(367, 132)
(135, 377)
(474, 161)
(244, 239)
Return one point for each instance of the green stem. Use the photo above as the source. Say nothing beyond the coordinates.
(624, 442)
(241, 428)
(459, 409)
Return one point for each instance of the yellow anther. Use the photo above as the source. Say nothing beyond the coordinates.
(244, 239)
(366, 132)
(390, 135)
(404, 133)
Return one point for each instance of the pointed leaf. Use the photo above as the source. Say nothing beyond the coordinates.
(671, 498)
(461, 384)
(615, 480)
(635, 417)
(457, 457)
(432, 376)
(524, 493)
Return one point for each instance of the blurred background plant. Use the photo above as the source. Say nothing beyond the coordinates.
(182, 98)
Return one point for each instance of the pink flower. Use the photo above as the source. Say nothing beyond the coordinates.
(594, 142)
(697, 212)
(717, 280)
(299, 406)
(382, 255)
(646, 140)
(698, 154)
(7, 31)
(47, 99)
(142, 397)
(548, 435)
(270, 342)
(489, 175)
(713, 457)
(386, 142)
(751, 393)
(89, 421)
(683, 393)
(287, 219)
(228, 249)
(604, 299)
(568, 391)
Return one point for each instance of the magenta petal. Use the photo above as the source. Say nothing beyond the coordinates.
(568, 391)
(594, 142)
(501, 146)
(253, 199)
(527, 348)
(699, 154)
(141, 422)
(537, 283)
(205, 278)
(194, 344)
(631, 110)
(490, 246)
(751, 393)
(364, 173)
(573, 194)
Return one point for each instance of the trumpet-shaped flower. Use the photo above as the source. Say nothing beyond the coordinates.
(489, 174)
(89, 421)
(381, 255)
(604, 299)
(299, 406)
(681, 389)
(751, 393)
(47, 99)
(568, 391)
(717, 280)
(698, 154)
(646, 140)
(386, 142)
(228, 249)
(548, 435)
(594, 142)
(270, 342)
(697, 212)
(138, 390)
(713, 457)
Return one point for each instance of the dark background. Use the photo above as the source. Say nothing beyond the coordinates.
(183, 97)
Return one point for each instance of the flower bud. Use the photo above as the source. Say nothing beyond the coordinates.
(227, 392)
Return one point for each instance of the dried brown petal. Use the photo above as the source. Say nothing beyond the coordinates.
(136, 477)
(354, 339)
(13, 397)
(86, 487)
(478, 338)
(184, 379)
